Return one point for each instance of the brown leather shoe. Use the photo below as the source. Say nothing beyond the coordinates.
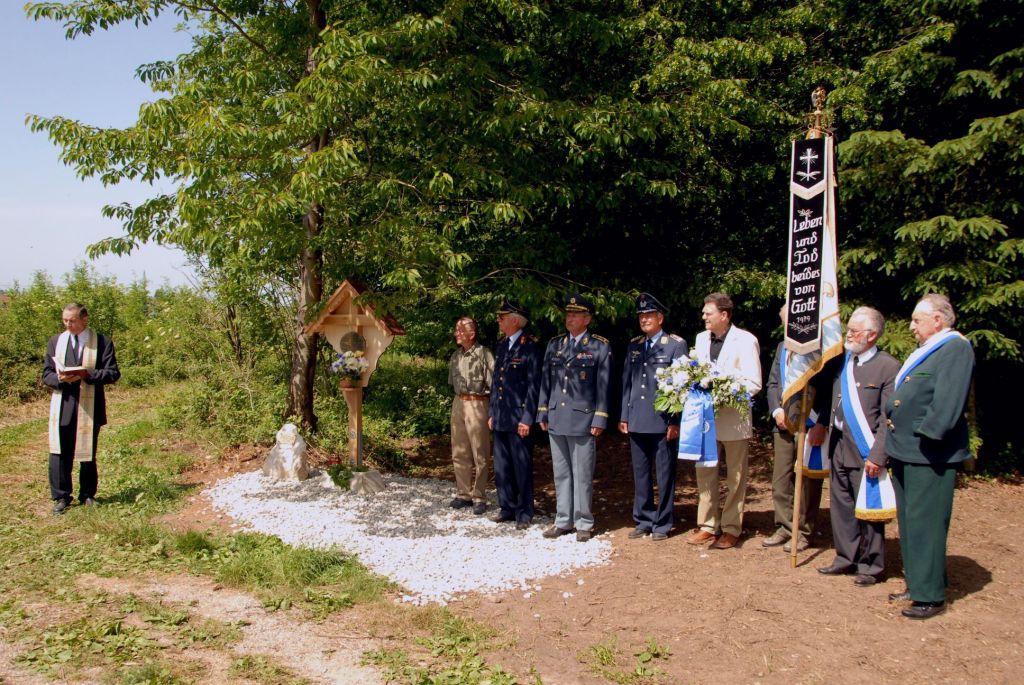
(700, 537)
(725, 541)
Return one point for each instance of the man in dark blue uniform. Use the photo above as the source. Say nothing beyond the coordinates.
(652, 434)
(512, 411)
(573, 409)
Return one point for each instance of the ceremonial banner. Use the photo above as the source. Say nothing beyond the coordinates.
(813, 331)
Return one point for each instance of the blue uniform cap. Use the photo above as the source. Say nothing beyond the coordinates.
(511, 307)
(577, 303)
(649, 303)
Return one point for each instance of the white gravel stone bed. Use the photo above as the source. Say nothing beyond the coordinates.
(407, 533)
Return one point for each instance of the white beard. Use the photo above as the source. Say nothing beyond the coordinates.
(856, 347)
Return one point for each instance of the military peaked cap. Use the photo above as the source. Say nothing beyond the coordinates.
(577, 303)
(511, 307)
(649, 303)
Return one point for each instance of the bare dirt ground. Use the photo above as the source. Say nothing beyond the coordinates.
(743, 615)
(316, 652)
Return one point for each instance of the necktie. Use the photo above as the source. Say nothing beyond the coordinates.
(74, 346)
(650, 344)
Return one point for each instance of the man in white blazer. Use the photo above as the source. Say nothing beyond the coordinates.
(737, 353)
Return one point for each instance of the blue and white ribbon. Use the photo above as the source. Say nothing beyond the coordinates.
(816, 461)
(856, 422)
(923, 352)
(876, 499)
(698, 440)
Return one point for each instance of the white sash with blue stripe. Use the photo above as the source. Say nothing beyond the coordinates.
(924, 351)
(876, 499)
(816, 461)
(856, 421)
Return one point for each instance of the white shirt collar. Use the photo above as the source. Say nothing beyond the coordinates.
(866, 355)
(936, 336)
(515, 336)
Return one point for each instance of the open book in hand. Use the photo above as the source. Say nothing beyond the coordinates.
(66, 369)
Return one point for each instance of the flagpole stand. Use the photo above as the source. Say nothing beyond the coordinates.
(798, 472)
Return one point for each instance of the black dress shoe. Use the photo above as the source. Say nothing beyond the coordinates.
(864, 580)
(658, 537)
(479, 508)
(638, 532)
(922, 610)
(555, 531)
(89, 502)
(503, 518)
(522, 525)
(60, 506)
(899, 596)
(459, 503)
(835, 570)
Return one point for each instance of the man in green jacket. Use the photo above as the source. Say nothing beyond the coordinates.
(926, 444)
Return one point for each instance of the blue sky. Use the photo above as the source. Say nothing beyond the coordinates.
(47, 215)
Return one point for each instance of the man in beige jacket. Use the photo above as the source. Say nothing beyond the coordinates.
(736, 352)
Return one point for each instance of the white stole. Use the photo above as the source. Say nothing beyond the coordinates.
(86, 398)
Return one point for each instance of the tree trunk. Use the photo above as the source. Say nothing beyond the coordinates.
(300, 386)
(233, 332)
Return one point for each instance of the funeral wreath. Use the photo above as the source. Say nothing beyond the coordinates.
(689, 374)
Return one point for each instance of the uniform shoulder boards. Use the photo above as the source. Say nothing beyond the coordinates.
(601, 338)
(675, 337)
(637, 339)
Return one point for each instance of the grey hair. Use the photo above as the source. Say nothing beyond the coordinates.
(941, 304)
(876, 321)
(520, 320)
(468, 321)
(79, 309)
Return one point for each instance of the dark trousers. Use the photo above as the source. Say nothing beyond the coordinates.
(653, 451)
(860, 545)
(513, 475)
(924, 506)
(784, 486)
(61, 464)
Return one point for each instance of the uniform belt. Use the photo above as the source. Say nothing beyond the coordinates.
(464, 396)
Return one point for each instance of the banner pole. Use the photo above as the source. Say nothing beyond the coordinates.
(798, 474)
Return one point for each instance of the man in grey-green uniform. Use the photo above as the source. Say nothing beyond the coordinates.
(927, 443)
(469, 373)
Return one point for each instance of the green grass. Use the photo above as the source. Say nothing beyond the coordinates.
(606, 660)
(42, 556)
(450, 654)
(263, 670)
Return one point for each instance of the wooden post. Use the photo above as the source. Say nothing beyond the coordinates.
(354, 399)
(798, 473)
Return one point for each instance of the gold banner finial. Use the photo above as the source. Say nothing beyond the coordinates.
(818, 120)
